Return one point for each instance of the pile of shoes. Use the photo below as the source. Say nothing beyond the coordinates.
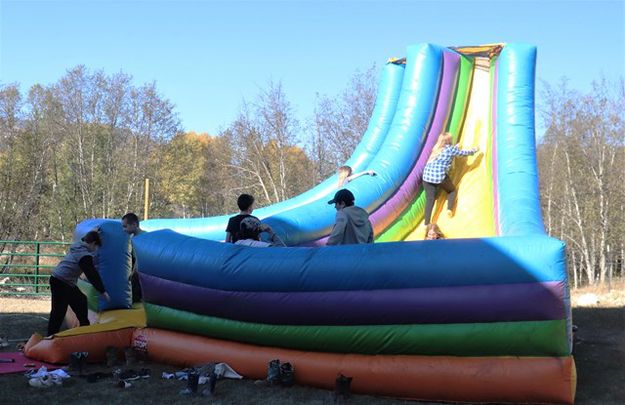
(204, 374)
(77, 362)
(207, 374)
(43, 378)
(279, 374)
(112, 356)
(124, 377)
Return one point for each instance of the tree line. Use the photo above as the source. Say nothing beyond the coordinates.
(581, 162)
(82, 147)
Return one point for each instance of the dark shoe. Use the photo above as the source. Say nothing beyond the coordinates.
(209, 391)
(287, 375)
(128, 375)
(74, 362)
(124, 384)
(144, 373)
(111, 356)
(131, 356)
(77, 362)
(273, 372)
(205, 370)
(192, 382)
(95, 377)
(342, 388)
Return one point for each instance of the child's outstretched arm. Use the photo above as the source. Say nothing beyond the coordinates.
(456, 151)
(356, 175)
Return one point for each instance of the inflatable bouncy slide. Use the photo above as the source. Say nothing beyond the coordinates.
(482, 316)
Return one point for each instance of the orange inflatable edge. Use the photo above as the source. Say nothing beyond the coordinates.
(442, 378)
(57, 349)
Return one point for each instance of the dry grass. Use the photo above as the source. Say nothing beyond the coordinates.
(24, 305)
(599, 355)
(605, 297)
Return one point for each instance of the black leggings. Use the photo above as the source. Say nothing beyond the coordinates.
(63, 295)
(431, 190)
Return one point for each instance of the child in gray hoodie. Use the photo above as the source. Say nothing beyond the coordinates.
(352, 223)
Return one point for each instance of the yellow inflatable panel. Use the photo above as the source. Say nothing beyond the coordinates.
(474, 210)
(111, 320)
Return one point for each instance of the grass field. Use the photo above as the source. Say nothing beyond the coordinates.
(599, 355)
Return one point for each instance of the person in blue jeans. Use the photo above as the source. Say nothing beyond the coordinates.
(435, 175)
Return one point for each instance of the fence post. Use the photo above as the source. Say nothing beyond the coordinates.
(37, 267)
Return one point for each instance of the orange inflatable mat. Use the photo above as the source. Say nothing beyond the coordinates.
(57, 349)
(442, 378)
(111, 328)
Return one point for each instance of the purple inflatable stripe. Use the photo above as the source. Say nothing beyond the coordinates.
(466, 304)
(394, 206)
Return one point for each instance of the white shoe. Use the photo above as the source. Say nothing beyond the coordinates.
(45, 381)
(41, 382)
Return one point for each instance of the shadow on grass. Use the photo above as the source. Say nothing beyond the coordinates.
(21, 325)
(600, 355)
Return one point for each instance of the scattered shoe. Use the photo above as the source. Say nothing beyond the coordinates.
(223, 370)
(124, 384)
(78, 361)
(129, 375)
(192, 382)
(273, 372)
(144, 373)
(342, 388)
(46, 381)
(95, 377)
(131, 356)
(287, 375)
(111, 356)
(210, 390)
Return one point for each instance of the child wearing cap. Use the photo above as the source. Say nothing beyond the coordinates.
(352, 223)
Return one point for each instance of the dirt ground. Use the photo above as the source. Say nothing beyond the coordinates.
(599, 356)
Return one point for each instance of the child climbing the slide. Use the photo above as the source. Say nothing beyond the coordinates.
(246, 205)
(435, 173)
(433, 232)
(345, 175)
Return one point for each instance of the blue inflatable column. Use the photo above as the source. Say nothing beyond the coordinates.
(113, 261)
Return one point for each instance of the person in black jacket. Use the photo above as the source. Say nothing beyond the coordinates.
(78, 260)
(130, 223)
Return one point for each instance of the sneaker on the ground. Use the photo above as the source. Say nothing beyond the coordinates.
(210, 390)
(111, 356)
(129, 375)
(124, 384)
(273, 372)
(287, 375)
(46, 381)
(144, 373)
(131, 356)
(192, 382)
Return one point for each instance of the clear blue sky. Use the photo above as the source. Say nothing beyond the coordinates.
(206, 56)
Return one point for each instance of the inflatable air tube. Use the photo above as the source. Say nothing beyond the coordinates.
(113, 261)
(428, 378)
